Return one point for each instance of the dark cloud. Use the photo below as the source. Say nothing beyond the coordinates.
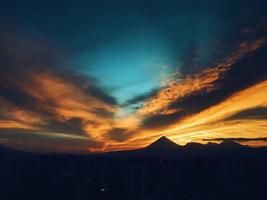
(140, 98)
(19, 59)
(161, 120)
(17, 97)
(42, 142)
(30, 70)
(21, 56)
(119, 134)
(100, 94)
(246, 72)
(195, 36)
(253, 113)
(71, 126)
(103, 113)
(260, 139)
(89, 85)
(21, 99)
(25, 54)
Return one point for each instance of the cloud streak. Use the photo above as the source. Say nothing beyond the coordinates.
(264, 139)
(200, 105)
(46, 105)
(40, 97)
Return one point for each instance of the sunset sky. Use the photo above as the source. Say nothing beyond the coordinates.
(105, 75)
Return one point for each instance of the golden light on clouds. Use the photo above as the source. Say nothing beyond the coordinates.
(214, 122)
(63, 100)
(63, 110)
(196, 82)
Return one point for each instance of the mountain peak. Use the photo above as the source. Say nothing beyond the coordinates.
(163, 139)
(194, 145)
(230, 144)
(163, 143)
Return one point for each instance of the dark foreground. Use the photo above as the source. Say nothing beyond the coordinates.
(194, 172)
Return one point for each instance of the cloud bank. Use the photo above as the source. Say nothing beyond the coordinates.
(47, 105)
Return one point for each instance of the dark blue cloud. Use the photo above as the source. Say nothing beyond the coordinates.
(252, 113)
(90, 25)
(97, 46)
(245, 73)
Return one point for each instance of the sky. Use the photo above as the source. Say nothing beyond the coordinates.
(104, 75)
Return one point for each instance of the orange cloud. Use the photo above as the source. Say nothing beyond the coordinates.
(209, 123)
(213, 123)
(57, 101)
(63, 101)
(203, 81)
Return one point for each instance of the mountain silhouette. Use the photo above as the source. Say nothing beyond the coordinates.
(162, 147)
(230, 144)
(163, 144)
(7, 152)
(162, 166)
(194, 145)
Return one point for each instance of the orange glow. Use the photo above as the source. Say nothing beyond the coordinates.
(66, 101)
(63, 99)
(193, 83)
(210, 123)
(213, 123)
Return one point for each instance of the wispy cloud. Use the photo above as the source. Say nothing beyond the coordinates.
(237, 139)
(46, 105)
(198, 105)
(41, 97)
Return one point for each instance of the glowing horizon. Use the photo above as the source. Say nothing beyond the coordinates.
(104, 81)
